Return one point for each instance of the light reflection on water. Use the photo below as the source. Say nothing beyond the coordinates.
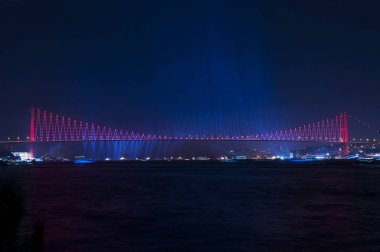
(202, 207)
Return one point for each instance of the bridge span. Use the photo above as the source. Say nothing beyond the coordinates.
(53, 128)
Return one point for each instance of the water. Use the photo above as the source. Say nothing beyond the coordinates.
(201, 207)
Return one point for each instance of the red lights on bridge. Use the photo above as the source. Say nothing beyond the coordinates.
(51, 127)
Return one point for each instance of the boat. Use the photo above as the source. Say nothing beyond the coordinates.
(83, 160)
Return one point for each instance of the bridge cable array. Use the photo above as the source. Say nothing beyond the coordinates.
(50, 127)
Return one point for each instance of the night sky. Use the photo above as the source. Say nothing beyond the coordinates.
(189, 66)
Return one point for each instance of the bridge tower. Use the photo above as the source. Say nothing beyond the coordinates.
(343, 134)
(32, 130)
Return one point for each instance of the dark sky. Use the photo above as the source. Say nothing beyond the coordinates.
(189, 66)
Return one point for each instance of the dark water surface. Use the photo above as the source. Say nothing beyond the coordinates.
(202, 207)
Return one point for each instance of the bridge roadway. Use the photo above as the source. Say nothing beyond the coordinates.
(191, 140)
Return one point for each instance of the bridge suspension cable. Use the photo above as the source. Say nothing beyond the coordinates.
(365, 124)
(50, 127)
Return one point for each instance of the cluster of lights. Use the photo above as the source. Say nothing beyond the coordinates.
(367, 139)
(18, 138)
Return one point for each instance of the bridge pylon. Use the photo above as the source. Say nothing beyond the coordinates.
(32, 131)
(343, 133)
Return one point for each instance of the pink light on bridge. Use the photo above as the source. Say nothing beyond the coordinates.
(49, 127)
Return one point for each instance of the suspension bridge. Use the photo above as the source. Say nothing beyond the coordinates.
(50, 127)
